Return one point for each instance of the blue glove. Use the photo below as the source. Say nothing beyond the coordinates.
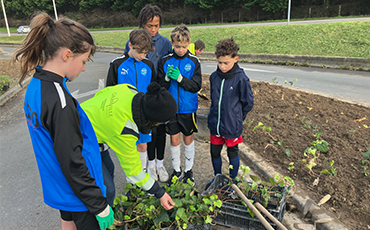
(175, 74)
(105, 218)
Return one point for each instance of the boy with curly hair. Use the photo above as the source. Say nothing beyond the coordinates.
(180, 73)
(232, 99)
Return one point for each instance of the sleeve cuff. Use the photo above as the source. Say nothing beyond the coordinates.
(157, 190)
(167, 79)
(179, 79)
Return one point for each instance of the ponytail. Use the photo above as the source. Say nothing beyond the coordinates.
(47, 37)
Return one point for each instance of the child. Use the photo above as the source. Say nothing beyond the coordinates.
(151, 20)
(64, 142)
(197, 47)
(232, 99)
(119, 128)
(134, 69)
(180, 73)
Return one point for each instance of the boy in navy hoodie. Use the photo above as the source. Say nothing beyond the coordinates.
(232, 99)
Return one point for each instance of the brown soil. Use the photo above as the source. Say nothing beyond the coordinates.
(294, 117)
(8, 68)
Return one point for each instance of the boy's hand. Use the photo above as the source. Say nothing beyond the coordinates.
(174, 74)
(169, 70)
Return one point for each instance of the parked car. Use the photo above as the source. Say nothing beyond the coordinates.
(23, 29)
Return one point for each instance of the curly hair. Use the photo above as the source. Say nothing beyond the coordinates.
(226, 47)
(148, 13)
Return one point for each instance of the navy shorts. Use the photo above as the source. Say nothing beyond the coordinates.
(186, 123)
(82, 220)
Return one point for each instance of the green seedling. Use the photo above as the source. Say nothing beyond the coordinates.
(248, 122)
(291, 83)
(330, 171)
(291, 166)
(274, 80)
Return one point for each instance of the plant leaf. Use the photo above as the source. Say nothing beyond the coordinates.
(367, 154)
(177, 202)
(287, 152)
(208, 219)
(161, 217)
(322, 147)
(254, 178)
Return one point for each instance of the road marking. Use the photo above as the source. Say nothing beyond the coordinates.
(76, 95)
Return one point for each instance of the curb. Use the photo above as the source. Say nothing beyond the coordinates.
(312, 61)
(14, 91)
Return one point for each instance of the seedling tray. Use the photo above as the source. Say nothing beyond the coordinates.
(236, 215)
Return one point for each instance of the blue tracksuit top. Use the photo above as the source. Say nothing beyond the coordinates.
(162, 46)
(184, 92)
(65, 146)
(126, 70)
(232, 99)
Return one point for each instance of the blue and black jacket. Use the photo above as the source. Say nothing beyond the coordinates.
(126, 70)
(65, 146)
(232, 99)
(185, 91)
(162, 46)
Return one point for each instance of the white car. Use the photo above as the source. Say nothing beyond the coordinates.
(23, 29)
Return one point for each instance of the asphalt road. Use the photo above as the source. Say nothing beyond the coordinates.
(352, 86)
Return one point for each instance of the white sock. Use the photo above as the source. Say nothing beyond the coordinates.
(143, 158)
(176, 161)
(150, 163)
(159, 163)
(189, 156)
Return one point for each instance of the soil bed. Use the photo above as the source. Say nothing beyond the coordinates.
(294, 117)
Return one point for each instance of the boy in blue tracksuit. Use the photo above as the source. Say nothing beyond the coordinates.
(180, 73)
(134, 69)
(151, 20)
(232, 99)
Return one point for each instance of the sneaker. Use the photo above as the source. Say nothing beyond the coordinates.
(175, 173)
(162, 174)
(152, 170)
(189, 176)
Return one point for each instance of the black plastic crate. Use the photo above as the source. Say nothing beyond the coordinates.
(235, 215)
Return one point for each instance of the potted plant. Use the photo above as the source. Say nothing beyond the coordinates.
(137, 209)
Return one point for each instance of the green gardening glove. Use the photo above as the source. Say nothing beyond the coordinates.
(105, 218)
(169, 70)
(175, 74)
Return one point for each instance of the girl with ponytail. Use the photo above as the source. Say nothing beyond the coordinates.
(63, 139)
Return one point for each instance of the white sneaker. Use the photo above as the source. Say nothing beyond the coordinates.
(162, 173)
(152, 170)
